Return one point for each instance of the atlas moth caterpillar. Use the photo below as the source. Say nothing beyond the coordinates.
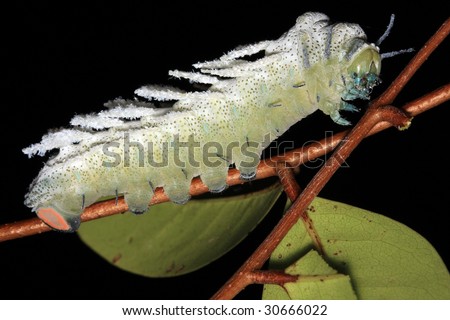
(133, 147)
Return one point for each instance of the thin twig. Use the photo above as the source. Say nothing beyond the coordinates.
(287, 179)
(271, 277)
(292, 189)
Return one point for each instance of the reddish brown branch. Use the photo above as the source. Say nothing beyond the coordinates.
(266, 169)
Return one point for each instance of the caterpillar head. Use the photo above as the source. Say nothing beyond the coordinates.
(364, 71)
(360, 66)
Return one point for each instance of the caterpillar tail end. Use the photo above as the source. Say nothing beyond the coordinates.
(58, 220)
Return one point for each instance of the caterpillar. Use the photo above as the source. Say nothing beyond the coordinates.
(134, 146)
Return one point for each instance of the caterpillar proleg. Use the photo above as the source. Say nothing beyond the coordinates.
(133, 147)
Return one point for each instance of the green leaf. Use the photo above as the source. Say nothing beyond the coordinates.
(383, 258)
(171, 240)
(317, 279)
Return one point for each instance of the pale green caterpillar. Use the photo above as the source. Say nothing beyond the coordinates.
(133, 147)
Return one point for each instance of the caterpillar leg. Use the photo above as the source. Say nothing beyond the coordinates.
(247, 171)
(247, 157)
(345, 106)
(215, 178)
(248, 175)
(336, 117)
(138, 198)
(177, 189)
(178, 192)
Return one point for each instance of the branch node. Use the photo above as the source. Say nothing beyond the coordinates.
(395, 116)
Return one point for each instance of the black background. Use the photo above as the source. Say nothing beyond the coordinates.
(63, 60)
